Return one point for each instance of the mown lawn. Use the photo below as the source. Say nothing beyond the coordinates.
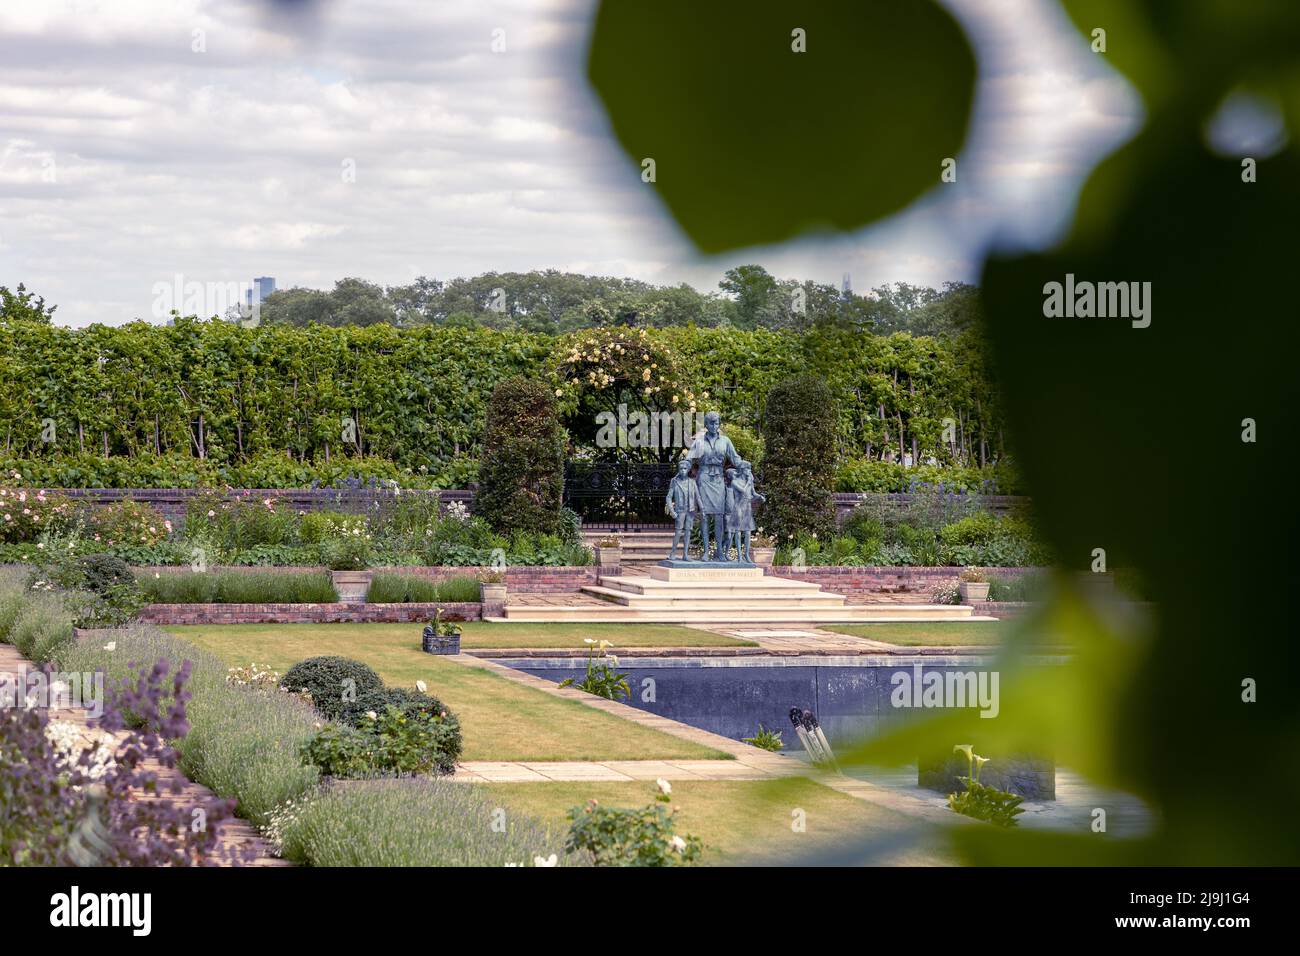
(486, 635)
(923, 634)
(501, 720)
(740, 821)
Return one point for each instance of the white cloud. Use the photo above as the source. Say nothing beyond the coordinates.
(126, 157)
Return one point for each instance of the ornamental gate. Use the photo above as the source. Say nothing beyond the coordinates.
(625, 495)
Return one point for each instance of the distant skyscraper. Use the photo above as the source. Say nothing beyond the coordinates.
(847, 286)
(262, 287)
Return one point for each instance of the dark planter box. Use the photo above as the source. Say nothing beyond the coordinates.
(436, 644)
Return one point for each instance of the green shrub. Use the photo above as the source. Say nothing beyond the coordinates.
(127, 523)
(445, 740)
(342, 751)
(639, 837)
(800, 449)
(977, 529)
(863, 475)
(237, 522)
(102, 572)
(350, 548)
(393, 588)
(26, 514)
(394, 740)
(331, 682)
(239, 587)
(317, 526)
(521, 473)
(865, 527)
(414, 822)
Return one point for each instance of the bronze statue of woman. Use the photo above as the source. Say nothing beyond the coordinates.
(712, 454)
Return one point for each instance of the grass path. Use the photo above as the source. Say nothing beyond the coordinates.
(480, 634)
(923, 634)
(501, 720)
(739, 821)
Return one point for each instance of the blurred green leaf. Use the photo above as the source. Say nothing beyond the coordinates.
(753, 142)
(1191, 52)
(1200, 517)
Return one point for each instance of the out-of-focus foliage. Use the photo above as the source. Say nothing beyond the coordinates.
(763, 121)
(1145, 701)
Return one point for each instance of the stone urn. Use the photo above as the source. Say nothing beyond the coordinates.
(763, 557)
(492, 592)
(351, 585)
(608, 556)
(973, 590)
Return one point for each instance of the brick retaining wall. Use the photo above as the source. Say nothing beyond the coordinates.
(305, 613)
(532, 579)
(559, 580)
(866, 580)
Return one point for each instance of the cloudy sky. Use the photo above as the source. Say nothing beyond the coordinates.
(211, 139)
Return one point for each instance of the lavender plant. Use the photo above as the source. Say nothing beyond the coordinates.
(64, 804)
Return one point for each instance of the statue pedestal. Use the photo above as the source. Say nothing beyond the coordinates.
(675, 569)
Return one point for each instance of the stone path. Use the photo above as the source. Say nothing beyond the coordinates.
(232, 832)
(773, 639)
(748, 763)
(616, 771)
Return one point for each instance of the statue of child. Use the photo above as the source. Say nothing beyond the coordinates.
(741, 523)
(682, 503)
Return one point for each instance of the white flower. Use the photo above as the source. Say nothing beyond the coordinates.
(372, 715)
(664, 786)
(421, 686)
(111, 646)
(678, 843)
(551, 860)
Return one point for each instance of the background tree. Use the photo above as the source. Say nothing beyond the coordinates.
(23, 306)
(521, 475)
(800, 450)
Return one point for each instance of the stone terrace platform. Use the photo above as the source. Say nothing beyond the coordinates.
(689, 595)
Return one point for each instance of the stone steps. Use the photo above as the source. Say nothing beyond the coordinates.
(768, 586)
(750, 597)
(695, 592)
(742, 613)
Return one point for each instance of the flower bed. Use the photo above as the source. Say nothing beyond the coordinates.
(333, 613)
